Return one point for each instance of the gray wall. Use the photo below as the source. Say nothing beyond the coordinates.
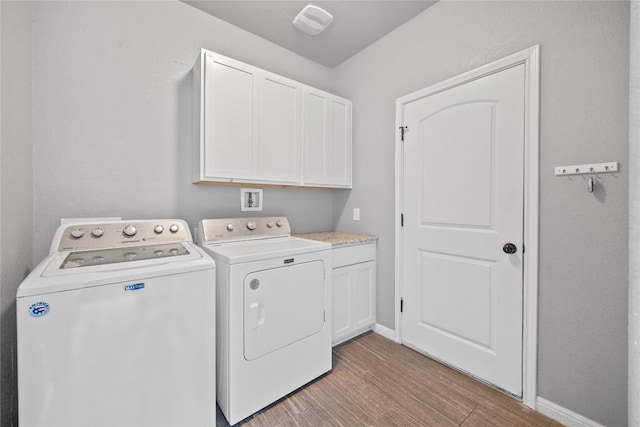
(634, 218)
(583, 237)
(112, 130)
(103, 128)
(16, 185)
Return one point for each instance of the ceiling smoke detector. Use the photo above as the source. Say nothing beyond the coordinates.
(312, 20)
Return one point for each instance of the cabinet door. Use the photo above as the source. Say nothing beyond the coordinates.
(315, 129)
(279, 130)
(353, 299)
(326, 135)
(340, 142)
(363, 295)
(341, 308)
(229, 119)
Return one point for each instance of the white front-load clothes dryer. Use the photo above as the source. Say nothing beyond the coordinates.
(273, 311)
(116, 327)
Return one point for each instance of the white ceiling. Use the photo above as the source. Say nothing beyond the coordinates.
(356, 23)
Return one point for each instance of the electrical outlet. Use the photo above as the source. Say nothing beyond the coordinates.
(356, 214)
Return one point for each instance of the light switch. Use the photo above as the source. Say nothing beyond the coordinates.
(356, 214)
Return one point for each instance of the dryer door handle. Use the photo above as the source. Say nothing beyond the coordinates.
(257, 314)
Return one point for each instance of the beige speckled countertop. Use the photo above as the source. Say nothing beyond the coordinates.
(338, 238)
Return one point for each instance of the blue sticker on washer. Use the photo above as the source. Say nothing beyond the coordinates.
(134, 287)
(39, 309)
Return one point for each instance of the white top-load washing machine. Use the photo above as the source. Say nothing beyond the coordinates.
(273, 311)
(116, 327)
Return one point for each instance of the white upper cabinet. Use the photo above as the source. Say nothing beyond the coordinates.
(253, 126)
(326, 136)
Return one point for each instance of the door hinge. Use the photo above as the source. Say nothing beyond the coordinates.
(523, 248)
(403, 129)
(401, 220)
(401, 305)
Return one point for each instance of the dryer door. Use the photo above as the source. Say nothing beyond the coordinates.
(281, 306)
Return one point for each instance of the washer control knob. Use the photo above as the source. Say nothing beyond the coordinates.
(230, 227)
(270, 224)
(279, 223)
(251, 225)
(129, 230)
(97, 232)
(158, 229)
(174, 228)
(77, 233)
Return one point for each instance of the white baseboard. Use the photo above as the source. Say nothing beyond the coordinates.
(384, 331)
(564, 415)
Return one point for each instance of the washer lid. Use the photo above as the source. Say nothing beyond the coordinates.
(84, 259)
(256, 250)
(48, 276)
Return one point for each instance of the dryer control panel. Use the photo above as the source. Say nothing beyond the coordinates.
(230, 229)
(85, 236)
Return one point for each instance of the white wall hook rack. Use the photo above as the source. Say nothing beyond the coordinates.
(594, 168)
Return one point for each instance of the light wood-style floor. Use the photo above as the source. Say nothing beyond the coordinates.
(376, 382)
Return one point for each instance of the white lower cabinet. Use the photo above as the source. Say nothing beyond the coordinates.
(353, 291)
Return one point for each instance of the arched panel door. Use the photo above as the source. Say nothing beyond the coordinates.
(463, 226)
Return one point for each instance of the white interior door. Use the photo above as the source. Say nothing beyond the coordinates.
(462, 201)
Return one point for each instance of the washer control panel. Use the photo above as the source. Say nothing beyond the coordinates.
(122, 233)
(229, 229)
